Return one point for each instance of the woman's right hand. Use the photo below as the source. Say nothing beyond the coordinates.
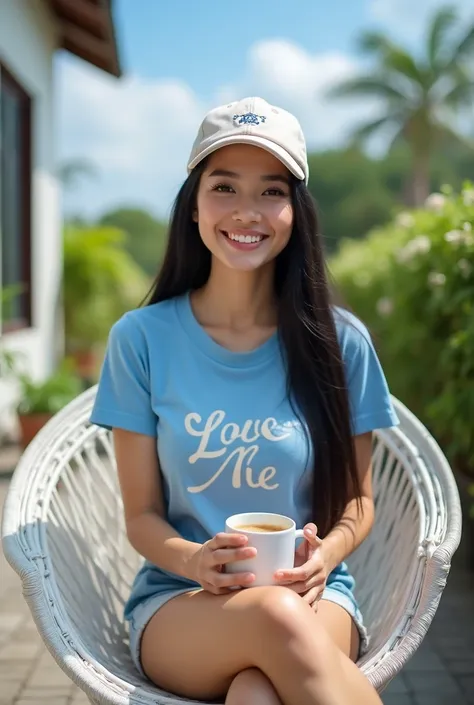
(209, 561)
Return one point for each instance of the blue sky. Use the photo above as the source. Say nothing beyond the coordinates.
(182, 57)
(205, 42)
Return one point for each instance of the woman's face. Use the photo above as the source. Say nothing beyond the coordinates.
(244, 208)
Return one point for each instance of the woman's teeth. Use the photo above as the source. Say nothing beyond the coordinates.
(244, 238)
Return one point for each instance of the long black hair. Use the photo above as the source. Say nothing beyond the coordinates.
(316, 383)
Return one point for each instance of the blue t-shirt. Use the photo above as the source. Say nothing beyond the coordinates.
(228, 440)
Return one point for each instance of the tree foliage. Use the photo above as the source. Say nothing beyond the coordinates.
(146, 235)
(421, 94)
(412, 282)
(101, 282)
(356, 193)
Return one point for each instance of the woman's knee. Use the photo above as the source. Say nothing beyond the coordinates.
(289, 623)
(284, 615)
(282, 609)
(252, 687)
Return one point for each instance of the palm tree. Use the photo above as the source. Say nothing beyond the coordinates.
(70, 171)
(420, 94)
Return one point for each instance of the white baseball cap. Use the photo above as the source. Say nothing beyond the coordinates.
(253, 121)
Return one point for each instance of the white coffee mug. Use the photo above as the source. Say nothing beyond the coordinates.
(275, 549)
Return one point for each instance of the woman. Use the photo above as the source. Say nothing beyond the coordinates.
(240, 387)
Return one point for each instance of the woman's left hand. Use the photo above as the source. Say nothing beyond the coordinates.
(308, 577)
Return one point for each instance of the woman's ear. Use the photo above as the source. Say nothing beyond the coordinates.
(195, 215)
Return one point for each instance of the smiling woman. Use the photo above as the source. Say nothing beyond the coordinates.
(241, 387)
(246, 210)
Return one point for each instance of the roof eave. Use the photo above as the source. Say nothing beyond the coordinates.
(86, 29)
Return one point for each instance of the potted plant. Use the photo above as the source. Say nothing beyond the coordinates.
(39, 401)
(100, 282)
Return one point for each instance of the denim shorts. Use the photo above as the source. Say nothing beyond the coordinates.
(145, 610)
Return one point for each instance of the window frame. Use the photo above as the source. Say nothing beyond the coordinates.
(25, 200)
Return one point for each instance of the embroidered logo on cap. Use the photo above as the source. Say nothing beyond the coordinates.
(249, 119)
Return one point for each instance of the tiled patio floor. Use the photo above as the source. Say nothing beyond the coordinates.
(28, 674)
(441, 673)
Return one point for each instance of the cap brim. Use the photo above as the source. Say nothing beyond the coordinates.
(258, 141)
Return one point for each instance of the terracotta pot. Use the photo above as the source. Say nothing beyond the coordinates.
(30, 424)
(86, 363)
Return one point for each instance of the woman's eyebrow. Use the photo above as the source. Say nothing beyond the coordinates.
(225, 172)
(276, 177)
(233, 175)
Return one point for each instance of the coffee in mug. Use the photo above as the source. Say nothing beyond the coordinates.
(273, 535)
(259, 527)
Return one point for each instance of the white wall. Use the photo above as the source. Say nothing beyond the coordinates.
(27, 43)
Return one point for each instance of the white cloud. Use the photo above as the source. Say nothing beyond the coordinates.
(135, 132)
(287, 75)
(139, 132)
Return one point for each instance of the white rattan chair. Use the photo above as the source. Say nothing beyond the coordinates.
(63, 533)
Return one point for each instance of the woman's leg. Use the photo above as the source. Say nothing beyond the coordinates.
(197, 643)
(340, 626)
(252, 687)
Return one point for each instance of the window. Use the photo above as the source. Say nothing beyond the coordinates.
(15, 203)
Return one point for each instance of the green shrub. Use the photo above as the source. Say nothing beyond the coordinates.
(412, 283)
(50, 395)
(101, 282)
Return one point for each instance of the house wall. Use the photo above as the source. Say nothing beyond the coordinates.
(27, 43)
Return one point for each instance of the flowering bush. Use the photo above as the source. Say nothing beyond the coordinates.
(412, 283)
